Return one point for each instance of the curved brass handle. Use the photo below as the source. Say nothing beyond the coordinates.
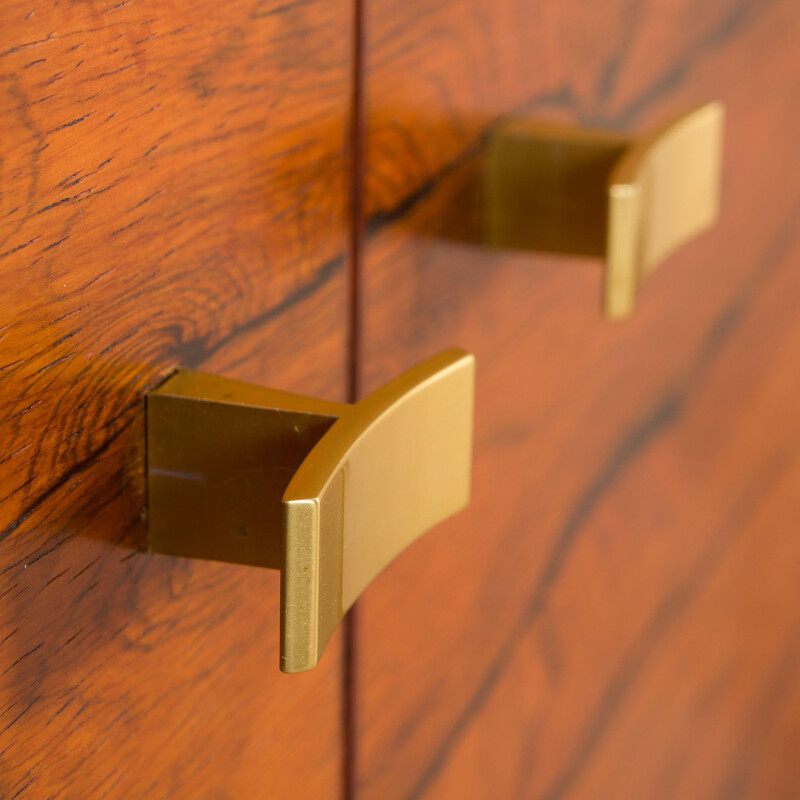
(329, 493)
(593, 193)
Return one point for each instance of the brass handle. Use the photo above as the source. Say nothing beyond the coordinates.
(593, 193)
(328, 493)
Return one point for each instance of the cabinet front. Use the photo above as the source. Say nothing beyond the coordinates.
(173, 194)
(612, 616)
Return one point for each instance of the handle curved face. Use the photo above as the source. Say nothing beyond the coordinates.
(593, 193)
(662, 193)
(328, 493)
(390, 467)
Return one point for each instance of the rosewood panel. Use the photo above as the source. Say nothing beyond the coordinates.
(173, 192)
(613, 617)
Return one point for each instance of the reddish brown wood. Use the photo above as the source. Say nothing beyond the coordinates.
(613, 617)
(173, 189)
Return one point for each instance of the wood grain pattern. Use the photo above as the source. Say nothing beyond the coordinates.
(173, 191)
(612, 618)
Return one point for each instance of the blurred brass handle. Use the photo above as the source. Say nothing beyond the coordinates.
(594, 193)
(328, 493)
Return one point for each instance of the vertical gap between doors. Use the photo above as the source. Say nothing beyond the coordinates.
(356, 232)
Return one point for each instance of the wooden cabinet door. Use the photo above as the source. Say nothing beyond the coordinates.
(613, 618)
(173, 187)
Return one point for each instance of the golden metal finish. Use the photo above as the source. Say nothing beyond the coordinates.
(326, 492)
(593, 193)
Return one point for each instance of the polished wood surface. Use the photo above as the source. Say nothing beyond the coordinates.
(613, 617)
(173, 192)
